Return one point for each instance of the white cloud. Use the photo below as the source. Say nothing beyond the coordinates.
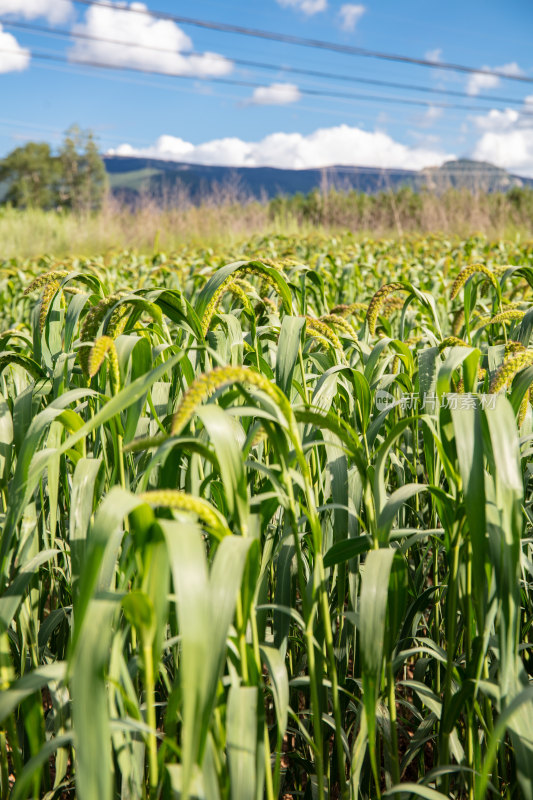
(277, 94)
(507, 138)
(53, 10)
(13, 57)
(497, 120)
(349, 15)
(309, 7)
(163, 45)
(325, 147)
(511, 149)
(479, 81)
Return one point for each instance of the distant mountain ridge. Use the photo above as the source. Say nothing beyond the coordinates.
(133, 177)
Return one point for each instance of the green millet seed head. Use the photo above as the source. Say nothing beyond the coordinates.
(391, 304)
(319, 338)
(318, 326)
(347, 309)
(214, 303)
(91, 324)
(340, 323)
(257, 270)
(452, 341)
(244, 284)
(46, 277)
(458, 321)
(514, 347)
(509, 369)
(208, 383)
(181, 501)
(377, 302)
(104, 346)
(48, 293)
(118, 321)
(94, 317)
(231, 284)
(340, 310)
(237, 291)
(480, 320)
(467, 273)
(509, 315)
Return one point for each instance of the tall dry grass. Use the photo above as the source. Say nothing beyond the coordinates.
(225, 216)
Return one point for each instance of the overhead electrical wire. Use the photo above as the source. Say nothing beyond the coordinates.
(320, 44)
(80, 35)
(134, 80)
(345, 96)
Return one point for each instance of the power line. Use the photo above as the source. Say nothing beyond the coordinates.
(347, 96)
(261, 64)
(285, 38)
(68, 68)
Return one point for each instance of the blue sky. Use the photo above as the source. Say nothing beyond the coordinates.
(273, 121)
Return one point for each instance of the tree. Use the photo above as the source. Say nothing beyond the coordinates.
(32, 176)
(75, 179)
(84, 179)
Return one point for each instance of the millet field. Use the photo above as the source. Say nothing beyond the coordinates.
(266, 522)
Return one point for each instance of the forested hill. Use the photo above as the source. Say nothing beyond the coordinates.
(133, 177)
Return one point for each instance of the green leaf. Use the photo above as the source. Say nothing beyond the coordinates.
(290, 337)
(242, 742)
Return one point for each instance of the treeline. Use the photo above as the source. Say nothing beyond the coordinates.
(75, 178)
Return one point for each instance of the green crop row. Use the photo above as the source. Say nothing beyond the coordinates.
(266, 525)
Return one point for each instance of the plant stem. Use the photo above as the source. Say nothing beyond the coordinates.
(151, 719)
(393, 723)
(451, 609)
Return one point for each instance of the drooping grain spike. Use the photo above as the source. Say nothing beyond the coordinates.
(509, 315)
(509, 369)
(181, 501)
(377, 302)
(208, 383)
(347, 309)
(514, 347)
(46, 277)
(340, 323)
(248, 269)
(317, 326)
(237, 291)
(90, 326)
(104, 346)
(467, 273)
(48, 293)
(452, 341)
(458, 321)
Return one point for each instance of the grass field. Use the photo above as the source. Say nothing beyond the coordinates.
(225, 219)
(267, 522)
